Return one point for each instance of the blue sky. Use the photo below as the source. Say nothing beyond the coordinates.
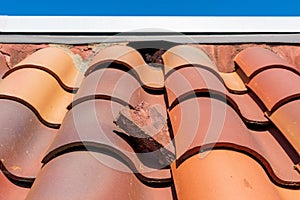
(151, 8)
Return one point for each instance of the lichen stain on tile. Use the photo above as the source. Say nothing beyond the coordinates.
(15, 168)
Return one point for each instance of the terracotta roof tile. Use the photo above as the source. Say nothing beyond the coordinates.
(274, 88)
(286, 118)
(11, 191)
(24, 139)
(147, 75)
(99, 116)
(264, 59)
(25, 86)
(183, 56)
(220, 124)
(250, 111)
(242, 178)
(180, 129)
(99, 83)
(55, 61)
(83, 173)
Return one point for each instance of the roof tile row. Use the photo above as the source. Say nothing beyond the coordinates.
(240, 142)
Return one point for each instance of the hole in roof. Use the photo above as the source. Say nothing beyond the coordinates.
(152, 51)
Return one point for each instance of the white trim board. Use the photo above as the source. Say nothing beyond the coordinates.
(116, 24)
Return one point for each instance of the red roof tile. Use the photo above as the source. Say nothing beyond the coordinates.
(245, 180)
(87, 176)
(181, 129)
(286, 118)
(274, 89)
(55, 61)
(10, 190)
(28, 90)
(24, 139)
(128, 57)
(264, 59)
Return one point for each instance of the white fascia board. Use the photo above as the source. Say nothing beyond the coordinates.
(119, 24)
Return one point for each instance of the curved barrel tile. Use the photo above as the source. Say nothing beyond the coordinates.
(249, 109)
(242, 178)
(233, 82)
(123, 89)
(108, 82)
(149, 76)
(287, 120)
(271, 148)
(185, 55)
(9, 191)
(275, 87)
(55, 61)
(190, 79)
(23, 139)
(41, 91)
(93, 122)
(212, 122)
(254, 60)
(83, 175)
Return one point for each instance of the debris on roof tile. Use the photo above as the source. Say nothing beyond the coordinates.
(147, 129)
(183, 122)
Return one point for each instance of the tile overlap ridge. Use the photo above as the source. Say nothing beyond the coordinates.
(34, 95)
(180, 64)
(105, 88)
(31, 84)
(74, 118)
(276, 83)
(176, 61)
(55, 61)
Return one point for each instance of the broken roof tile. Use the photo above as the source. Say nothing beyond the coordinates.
(100, 115)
